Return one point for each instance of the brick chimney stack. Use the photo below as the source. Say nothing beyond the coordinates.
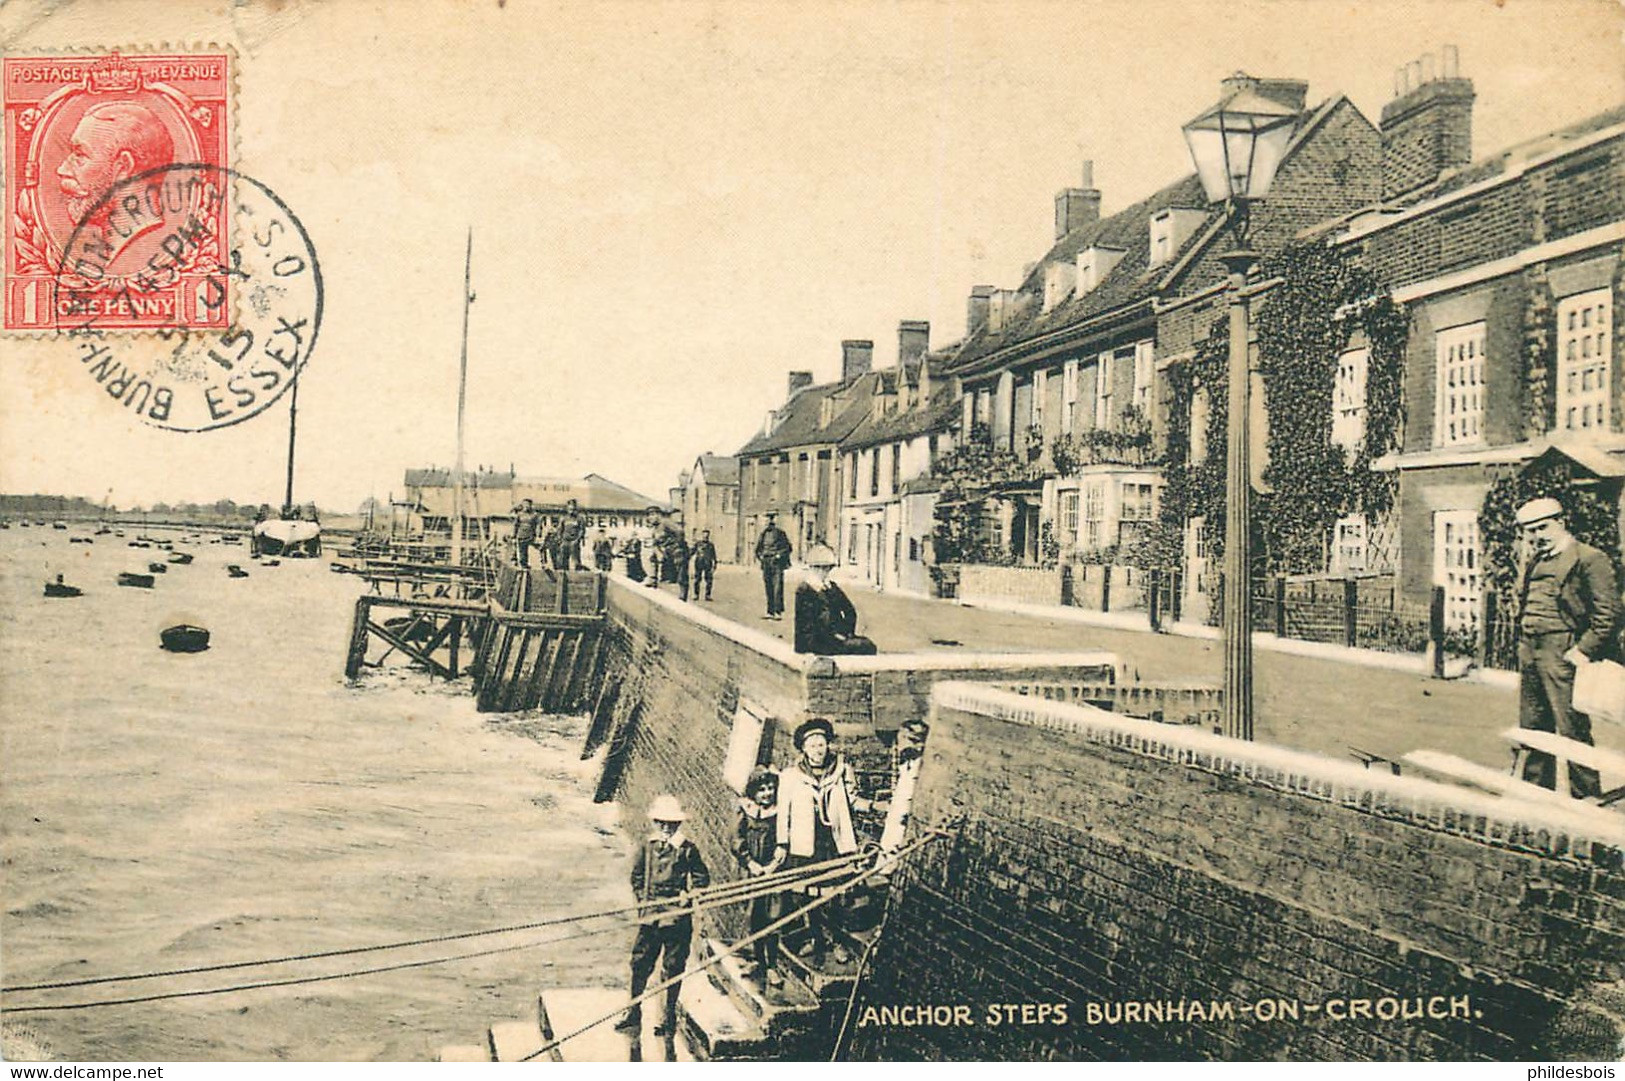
(1077, 207)
(1428, 127)
(798, 381)
(856, 358)
(976, 308)
(913, 339)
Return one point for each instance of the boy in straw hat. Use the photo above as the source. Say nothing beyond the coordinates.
(1568, 609)
(667, 866)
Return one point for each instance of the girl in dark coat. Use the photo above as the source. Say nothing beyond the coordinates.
(758, 855)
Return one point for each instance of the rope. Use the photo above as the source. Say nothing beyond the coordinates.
(735, 947)
(199, 993)
(719, 891)
(857, 981)
(698, 902)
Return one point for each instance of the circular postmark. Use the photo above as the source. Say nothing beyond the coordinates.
(230, 343)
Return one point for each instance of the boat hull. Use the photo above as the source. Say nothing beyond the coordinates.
(184, 638)
(296, 539)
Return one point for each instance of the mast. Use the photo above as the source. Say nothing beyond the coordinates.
(293, 418)
(462, 397)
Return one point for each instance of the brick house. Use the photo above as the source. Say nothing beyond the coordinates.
(710, 500)
(791, 467)
(887, 512)
(1066, 370)
(1510, 268)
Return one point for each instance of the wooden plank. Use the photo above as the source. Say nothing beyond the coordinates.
(513, 686)
(407, 648)
(585, 676)
(491, 676)
(1568, 750)
(507, 693)
(1494, 780)
(548, 619)
(429, 604)
(485, 635)
(562, 666)
(546, 658)
(439, 636)
(358, 639)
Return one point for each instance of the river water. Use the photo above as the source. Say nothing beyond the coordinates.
(161, 811)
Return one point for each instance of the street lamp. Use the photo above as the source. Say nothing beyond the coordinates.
(1237, 146)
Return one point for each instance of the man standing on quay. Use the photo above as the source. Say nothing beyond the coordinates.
(525, 520)
(773, 553)
(705, 564)
(572, 531)
(1567, 610)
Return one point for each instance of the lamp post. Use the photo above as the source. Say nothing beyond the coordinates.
(1237, 146)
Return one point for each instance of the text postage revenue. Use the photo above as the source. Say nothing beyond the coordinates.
(76, 127)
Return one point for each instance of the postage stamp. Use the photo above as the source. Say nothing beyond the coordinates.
(203, 375)
(76, 127)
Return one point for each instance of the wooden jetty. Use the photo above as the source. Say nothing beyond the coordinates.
(534, 642)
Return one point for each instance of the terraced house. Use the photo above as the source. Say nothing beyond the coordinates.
(887, 501)
(710, 501)
(791, 467)
(1066, 370)
(1511, 270)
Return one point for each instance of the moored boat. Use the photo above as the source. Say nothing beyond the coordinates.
(139, 581)
(180, 557)
(184, 638)
(158, 568)
(292, 537)
(59, 588)
(235, 571)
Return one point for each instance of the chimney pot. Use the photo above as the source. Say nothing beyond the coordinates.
(1449, 60)
(1428, 128)
(1088, 173)
(797, 381)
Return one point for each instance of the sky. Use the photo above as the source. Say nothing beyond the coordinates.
(675, 204)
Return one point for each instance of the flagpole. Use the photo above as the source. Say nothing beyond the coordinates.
(462, 397)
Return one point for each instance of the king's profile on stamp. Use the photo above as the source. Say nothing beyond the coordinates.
(83, 126)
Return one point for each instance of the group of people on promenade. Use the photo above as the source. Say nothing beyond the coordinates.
(826, 620)
(805, 815)
(560, 543)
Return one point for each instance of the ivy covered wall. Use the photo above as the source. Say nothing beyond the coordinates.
(1324, 304)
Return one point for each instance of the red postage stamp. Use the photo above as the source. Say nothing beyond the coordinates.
(95, 233)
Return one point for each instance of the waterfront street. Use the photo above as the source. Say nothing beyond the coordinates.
(1308, 703)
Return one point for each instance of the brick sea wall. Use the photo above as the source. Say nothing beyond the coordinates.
(677, 675)
(1128, 870)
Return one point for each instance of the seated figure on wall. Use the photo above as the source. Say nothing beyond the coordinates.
(826, 622)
